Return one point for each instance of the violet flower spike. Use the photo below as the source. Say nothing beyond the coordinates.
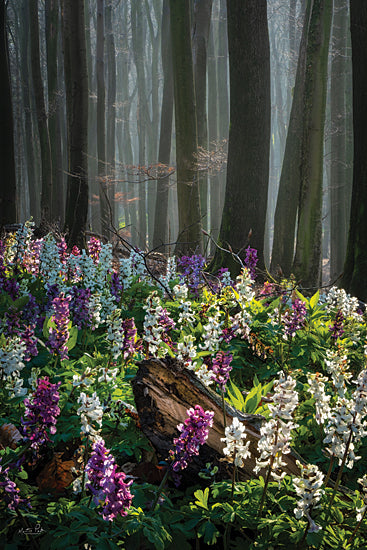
(41, 412)
(194, 432)
(251, 260)
(59, 334)
(107, 486)
(221, 368)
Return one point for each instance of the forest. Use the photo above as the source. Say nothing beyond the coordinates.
(183, 355)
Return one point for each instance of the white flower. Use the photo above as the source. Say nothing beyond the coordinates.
(337, 298)
(317, 389)
(51, 268)
(90, 412)
(212, 330)
(235, 434)
(309, 488)
(337, 365)
(186, 349)
(285, 398)
(11, 356)
(204, 375)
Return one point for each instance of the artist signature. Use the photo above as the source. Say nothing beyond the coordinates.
(35, 530)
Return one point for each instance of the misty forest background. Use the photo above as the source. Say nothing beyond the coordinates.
(169, 125)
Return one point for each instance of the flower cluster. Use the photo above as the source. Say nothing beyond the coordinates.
(308, 488)
(235, 448)
(361, 511)
(59, 333)
(80, 307)
(336, 329)
(94, 248)
(191, 268)
(122, 335)
(193, 433)
(90, 412)
(322, 401)
(41, 412)
(251, 260)
(220, 368)
(338, 299)
(107, 486)
(157, 325)
(10, 492)
(294, 320)
(276, 433)
(337, 366)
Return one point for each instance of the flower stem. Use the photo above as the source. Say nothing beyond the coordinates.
(266, 485)
(338, 478)
(224, 411)
(159, 490)
(356, 528)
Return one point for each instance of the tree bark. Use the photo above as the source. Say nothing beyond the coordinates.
(308, 255)
(165, 136)
(246, 195)
(354, 277)
(111, 109)
(76, 86)
(7, 158)
(46, 161)
(288, 194)
(189, 214)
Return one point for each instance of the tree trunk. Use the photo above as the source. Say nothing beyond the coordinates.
(7, 158)
(288, 194)
(101, 123)
(111, 109)
(54, 98)
(76, 86)
(245, 205)
(307, 260)
(200, 40)
(46, 162)
(164, 153)
(190, 235)
(340, 186)
(354, 277)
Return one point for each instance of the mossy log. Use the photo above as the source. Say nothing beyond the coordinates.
(164, 390)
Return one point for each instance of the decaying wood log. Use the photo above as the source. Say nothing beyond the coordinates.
(165, 389)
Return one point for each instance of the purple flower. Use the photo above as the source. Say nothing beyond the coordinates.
(336, 328)
(63, 251)
(296, 320)
(41, 412)
(221, 368)
(59, 334)
(228, 334)
(9, 286)
(30, 341)
(94, 247)
(129, 330)
(192, 267)
(116, 286)
(107, 486)
(251, 260)
(12, 322)
(194, 432)
(79, 307)
(11, 491)
(75, 251)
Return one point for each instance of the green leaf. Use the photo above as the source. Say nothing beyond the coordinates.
(210, 532)
(314, 300)
(73, 337)
(202, 498)
(253, 399)
(46, 326)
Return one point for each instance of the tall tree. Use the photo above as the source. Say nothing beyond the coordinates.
(200, 40)
(288, 194)
(52, 31)
(44, 138)
(340, 182)
(245, 204)
(308, 255)
(7, 160)
(76, 85)
(111, 106)
(354, 277)
(164, 153)
(101, 121)
(189, 232)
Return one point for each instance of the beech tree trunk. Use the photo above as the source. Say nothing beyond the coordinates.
(7, 158)
(354, 277)
(244, 211)
(44, 138)
(76, 86)
(189, 232)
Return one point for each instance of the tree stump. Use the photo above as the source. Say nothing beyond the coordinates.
(165, 389)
